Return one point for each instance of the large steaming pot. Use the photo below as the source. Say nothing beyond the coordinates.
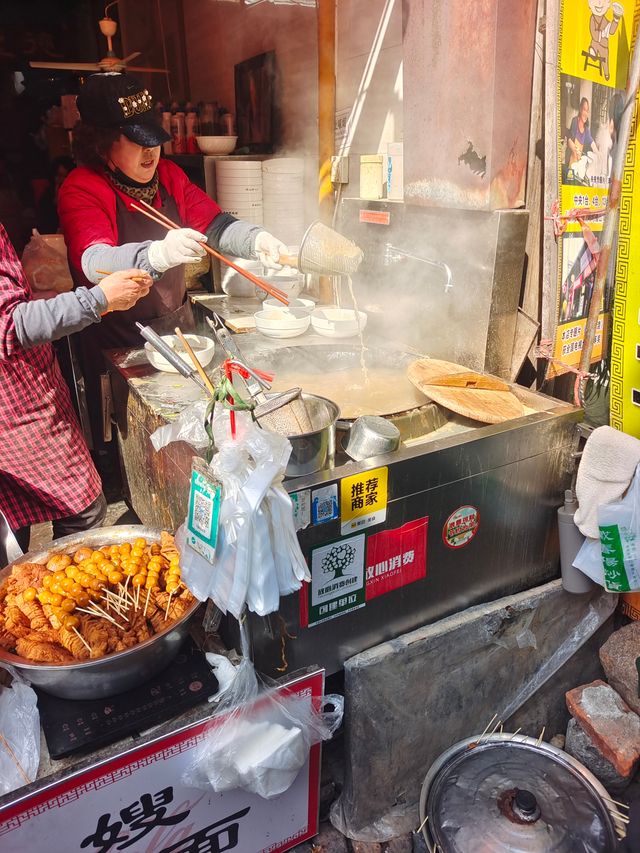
(118, 671)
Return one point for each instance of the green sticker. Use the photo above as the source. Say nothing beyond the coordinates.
(204, 512)
(615, 574)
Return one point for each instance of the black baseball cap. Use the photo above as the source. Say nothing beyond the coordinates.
(113, 99)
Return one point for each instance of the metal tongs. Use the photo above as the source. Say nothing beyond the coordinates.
(254, 384)
(183, 368)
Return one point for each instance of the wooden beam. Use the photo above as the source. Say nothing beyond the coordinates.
(326, 104)
(551, 183)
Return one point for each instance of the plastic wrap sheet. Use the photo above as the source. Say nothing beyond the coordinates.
(19, 736)
(410, 699)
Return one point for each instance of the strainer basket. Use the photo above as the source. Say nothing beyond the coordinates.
(326, 252)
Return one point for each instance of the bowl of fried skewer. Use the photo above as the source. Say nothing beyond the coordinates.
(96, 613)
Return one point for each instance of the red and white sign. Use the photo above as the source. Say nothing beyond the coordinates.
(461, 526)
(375, 217)
(396, 558)
(137, 802)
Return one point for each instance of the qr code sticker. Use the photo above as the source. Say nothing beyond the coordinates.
(324, 509)
(202, 513)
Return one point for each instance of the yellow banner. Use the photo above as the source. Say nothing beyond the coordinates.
(594, 56)
(625, 337)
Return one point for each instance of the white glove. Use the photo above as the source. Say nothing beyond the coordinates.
(268, 249)
(180, 246)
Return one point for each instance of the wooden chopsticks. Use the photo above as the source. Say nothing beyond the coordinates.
(160, 219)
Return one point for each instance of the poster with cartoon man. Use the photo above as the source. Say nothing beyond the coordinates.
(601, 28)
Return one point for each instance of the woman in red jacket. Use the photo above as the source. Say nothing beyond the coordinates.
(117, 144)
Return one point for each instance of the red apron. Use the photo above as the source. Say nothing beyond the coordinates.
(163, 308)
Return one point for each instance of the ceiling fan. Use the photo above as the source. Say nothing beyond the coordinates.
(108, 28)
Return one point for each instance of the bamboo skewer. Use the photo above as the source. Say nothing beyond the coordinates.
(160, 219)
(146, 604)
(616, 803)
(82, 639)
(194, 358)
(136, 278)
(166, 612)
(101, 614)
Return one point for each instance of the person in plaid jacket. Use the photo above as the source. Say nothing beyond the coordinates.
(46, 472)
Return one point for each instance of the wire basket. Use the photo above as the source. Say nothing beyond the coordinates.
(326, 252)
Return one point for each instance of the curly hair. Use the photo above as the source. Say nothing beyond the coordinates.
(91, 144)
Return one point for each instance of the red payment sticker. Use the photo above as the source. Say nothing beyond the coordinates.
(396, 558)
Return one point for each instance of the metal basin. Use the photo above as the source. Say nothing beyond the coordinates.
(118, 671)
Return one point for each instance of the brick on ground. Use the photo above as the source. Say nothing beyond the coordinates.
(580, 746)
(328, 840)
(366, 847)
(612, 726)
(618, 657)
(403, 844)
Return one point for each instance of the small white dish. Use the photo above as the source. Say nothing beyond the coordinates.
(204, 349)
(282, 322)
(338, 322)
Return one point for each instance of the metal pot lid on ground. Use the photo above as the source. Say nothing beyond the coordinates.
(517, 795)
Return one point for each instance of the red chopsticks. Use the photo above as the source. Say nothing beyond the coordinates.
(160, 219)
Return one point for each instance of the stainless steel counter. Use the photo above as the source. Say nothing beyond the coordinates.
(512, 474)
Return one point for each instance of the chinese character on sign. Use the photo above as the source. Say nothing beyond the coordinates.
(218, 837)
(141, 817)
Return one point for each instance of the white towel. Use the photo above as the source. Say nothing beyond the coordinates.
(606, 469)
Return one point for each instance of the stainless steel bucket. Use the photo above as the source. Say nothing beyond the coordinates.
(313, 451)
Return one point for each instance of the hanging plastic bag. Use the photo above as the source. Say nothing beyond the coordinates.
(257, 556)
(263, 738)
(188, 426)
(589, 560)
(619, 525)
(45, 264)
(19, 736)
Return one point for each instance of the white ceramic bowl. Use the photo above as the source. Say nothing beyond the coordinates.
(243, 179)
(234, 284)
(338, 322)
(237, 168)
(282, 322)
(216, 144)
(284, 165)
(288, 280)
(202, 347)
(306, 304)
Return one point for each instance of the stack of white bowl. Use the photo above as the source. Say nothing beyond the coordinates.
(239, 189)
(283, 197)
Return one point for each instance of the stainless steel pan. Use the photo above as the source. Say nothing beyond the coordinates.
(114, 673)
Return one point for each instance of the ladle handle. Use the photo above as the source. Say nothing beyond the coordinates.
(289, 260)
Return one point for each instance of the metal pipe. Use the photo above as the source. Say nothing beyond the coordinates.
(613, 209)
(392, 253)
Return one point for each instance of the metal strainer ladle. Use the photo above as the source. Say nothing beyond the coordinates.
(325, 252)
